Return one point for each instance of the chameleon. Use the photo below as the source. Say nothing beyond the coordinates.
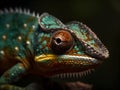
(42, 45)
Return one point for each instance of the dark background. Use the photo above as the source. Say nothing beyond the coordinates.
(102, 16)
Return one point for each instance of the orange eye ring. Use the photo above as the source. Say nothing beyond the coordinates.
(61, 41)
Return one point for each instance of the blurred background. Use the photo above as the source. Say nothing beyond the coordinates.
(102, 16)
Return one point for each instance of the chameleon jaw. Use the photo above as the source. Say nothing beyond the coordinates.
(51, 57)
(52, 65)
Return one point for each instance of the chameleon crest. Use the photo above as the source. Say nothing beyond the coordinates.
(43, 45)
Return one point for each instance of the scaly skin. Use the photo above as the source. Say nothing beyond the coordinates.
(43, 45)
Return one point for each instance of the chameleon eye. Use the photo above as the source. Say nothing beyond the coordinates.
(61, 41)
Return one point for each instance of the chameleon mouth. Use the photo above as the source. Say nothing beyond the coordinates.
(66, 65)
(83, 59)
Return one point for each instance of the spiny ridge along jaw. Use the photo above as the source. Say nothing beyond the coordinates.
(73, 75)
(21, 11)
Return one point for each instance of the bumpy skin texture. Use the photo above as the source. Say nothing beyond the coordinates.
(44, 46)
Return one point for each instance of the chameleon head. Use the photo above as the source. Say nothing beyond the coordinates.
(71, 48)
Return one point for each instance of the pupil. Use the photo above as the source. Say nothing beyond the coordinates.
(58, 40)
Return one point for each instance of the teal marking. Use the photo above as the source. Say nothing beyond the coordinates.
(44, 42)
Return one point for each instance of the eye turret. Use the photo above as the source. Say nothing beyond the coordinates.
(61, 41)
